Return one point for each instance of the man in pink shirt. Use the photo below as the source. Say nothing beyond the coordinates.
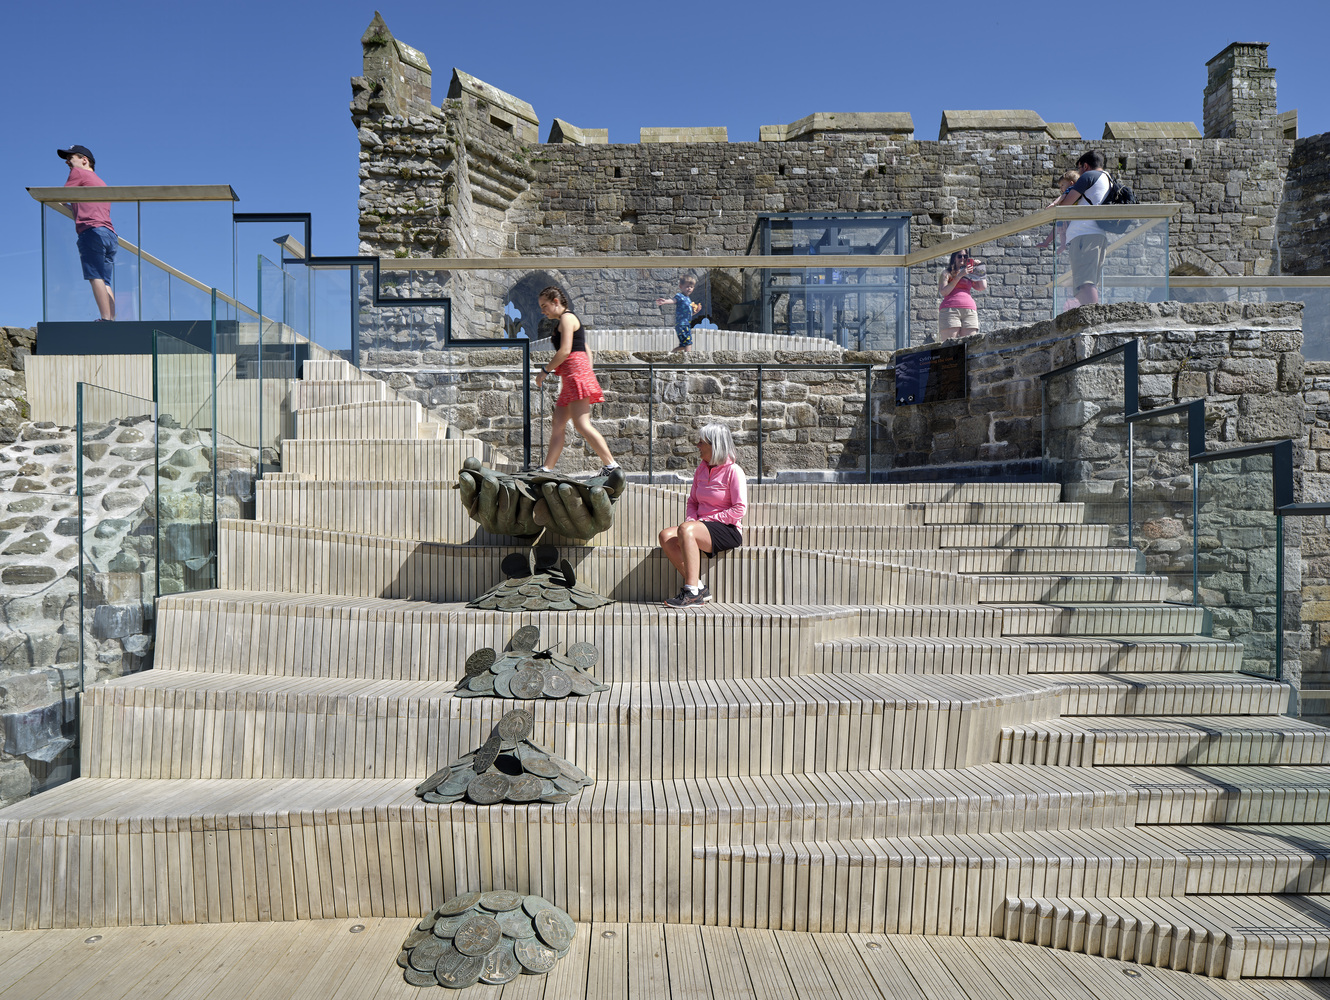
(92, 223)
(716, 504)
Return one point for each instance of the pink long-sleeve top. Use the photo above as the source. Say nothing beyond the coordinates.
(719, 493)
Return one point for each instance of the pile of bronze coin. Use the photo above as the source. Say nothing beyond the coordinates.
(486, 937)
(524, 672)
(538, 580)
(508, 767)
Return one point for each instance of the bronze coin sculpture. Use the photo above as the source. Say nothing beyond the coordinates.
(515, 769)
(490, 937)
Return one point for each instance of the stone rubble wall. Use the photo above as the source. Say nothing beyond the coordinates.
(40, 661)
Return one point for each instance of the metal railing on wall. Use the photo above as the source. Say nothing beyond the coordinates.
(653, 367)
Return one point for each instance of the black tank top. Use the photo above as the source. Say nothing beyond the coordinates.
(579, 339)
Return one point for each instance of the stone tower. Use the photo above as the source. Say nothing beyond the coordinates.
(1240, 90)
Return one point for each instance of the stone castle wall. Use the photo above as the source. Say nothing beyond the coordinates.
(455, 180)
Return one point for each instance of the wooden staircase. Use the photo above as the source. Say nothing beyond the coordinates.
(932, 709)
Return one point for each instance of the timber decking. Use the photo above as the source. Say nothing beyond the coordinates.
(344, 959)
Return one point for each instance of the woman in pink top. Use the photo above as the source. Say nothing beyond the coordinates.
(716, 503)
(958, 316)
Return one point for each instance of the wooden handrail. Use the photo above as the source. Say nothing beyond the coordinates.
(1043, 217)
(137, 192)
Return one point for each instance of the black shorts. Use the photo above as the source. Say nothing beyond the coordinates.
(723, 537)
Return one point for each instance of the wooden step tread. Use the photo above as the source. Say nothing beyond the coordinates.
(176, 724)
(1251, 936)
(1028, 654)
(1167, 740)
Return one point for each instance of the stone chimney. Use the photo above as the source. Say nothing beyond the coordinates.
(1240, 90)
(395, 73)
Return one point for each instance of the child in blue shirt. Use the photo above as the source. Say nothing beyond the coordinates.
(684, 311)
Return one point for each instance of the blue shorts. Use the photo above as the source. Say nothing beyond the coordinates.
(685, 335)
(97, 252)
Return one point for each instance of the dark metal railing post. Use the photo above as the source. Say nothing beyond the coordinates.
(526, 403)
(868, 421)
(759, 423)
(1131, 480)
(651, 424)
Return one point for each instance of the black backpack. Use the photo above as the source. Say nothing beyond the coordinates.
(1118, 194)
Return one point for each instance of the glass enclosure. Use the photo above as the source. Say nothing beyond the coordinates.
(1239, 556)
(854, 307)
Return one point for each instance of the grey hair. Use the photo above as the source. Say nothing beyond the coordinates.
(722, 444)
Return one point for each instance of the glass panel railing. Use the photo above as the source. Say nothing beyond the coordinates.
(331, 308)
(1162, 500)
(40, 639)
(1239, 555)
(117, 530)
(273, 360)
(1315, 312)
(77, 266)
(184, 388)
(239, 411)
(1085, 445)
(1112, 260)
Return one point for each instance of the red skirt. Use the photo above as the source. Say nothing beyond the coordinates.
(577, 380)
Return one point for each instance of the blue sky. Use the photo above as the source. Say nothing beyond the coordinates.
(255, 94)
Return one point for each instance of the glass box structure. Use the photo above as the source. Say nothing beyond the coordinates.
(856, 307)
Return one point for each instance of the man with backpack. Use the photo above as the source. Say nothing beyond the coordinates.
(1086, 240)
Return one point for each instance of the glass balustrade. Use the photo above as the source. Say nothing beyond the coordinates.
(1085, 436)
(184, 387)
(1163, 494)
(117, 531)
(1239, 555)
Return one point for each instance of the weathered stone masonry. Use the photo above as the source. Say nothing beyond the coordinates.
(465, 179)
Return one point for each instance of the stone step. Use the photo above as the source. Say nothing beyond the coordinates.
(1255, 936)
(1106, 620)
(1088, 588)
(402, 460)
(383, 419)
(1210, 739)
(1005, 512)
(174, 724)
(258, 556)
(308, 394)
(315, 636)
(97, 851)
(988, 654)
(1023, 535)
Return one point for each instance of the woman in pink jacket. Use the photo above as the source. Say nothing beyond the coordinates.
(716, 503)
